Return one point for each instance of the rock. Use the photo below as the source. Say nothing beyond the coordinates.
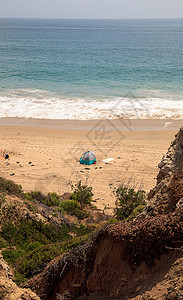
(167, 193)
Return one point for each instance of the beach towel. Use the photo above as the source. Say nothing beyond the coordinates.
(107, 160)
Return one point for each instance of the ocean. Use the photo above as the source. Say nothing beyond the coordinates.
(91, 69)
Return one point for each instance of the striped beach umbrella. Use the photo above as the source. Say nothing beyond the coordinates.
(2, 159)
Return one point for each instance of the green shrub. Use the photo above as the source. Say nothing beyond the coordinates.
(32, 244)
(36, 196)
(136, 212)
(31, 230)
(9, 187)
(2, 200)
(81, 214)
(112, 221)
(3, 243)
(11, 255)
(54, 199)
(82, 194)
(33, 262)
(69, 206)
(49, 200)
(19, 278)
(72, 207)
(127, 200)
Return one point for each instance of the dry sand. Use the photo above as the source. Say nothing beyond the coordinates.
(46, 159)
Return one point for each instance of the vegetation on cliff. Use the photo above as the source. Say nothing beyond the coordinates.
(146, 239)
(127, 202)
(30, 242)
(31, 237)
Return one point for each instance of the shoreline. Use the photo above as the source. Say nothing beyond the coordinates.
(96, 125)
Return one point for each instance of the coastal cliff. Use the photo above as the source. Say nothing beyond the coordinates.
(142, 259)
(168, 192)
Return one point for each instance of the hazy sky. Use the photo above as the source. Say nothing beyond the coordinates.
(92, 8)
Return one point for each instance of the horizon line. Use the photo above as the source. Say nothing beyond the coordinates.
(57, 18)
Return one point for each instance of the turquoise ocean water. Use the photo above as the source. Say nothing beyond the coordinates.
(91, 69)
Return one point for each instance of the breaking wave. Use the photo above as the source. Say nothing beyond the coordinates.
(44, 105)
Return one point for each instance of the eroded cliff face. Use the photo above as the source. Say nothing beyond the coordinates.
(124, 261)
(172, 162)
(168, 193)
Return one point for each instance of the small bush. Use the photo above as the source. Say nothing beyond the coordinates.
(3, 243)
(81, 214)
(112, 221)
(82, 194)
(54, 199)
(69, 206)
(72, 207)
(136, 212)
(49, 200)
(9, 187)
(36, 196)
(19, 278)
(127, 200)
(11, 255)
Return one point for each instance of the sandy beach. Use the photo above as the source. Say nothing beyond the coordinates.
(44, 155)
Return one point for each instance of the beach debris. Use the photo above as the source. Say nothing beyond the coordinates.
(88, 158)
(167, 124)
(6, 156)
(107, 160)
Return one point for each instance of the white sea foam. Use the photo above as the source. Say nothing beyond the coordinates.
(43, 105)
